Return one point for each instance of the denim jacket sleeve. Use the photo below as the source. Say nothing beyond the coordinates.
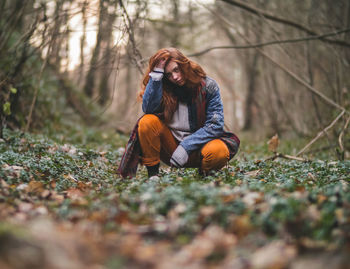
(152, 96)
(214, 123)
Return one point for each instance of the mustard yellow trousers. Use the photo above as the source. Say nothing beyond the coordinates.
(158, 143)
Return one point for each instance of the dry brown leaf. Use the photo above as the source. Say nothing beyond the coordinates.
(84, 186)
(45, 194)
(212, 239)
(252, 198)
(253, 173)
(228, 198)
(146, 253)
(207, 211)
(35, 187)
(57, 197)
(129, 243)
(241, 225)
(313, 213)
(25, 207)
(99, 216)
(77, 196)
(122, 217)
(273, 143)
(70, 177)
(321, 198)
(275, 255)
(4, 184)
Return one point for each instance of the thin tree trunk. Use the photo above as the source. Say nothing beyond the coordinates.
(82, 41)
(251, 69)
(91, 77)
(108, 38)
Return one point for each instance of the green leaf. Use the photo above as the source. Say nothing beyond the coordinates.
(13, 90)
(7, 108)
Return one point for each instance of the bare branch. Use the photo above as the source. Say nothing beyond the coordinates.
(321, 133)
(263, 44)
(286, 70)
(285, 156)
(130, 29)
(269, 16)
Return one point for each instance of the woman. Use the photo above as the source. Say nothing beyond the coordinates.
(183, 122)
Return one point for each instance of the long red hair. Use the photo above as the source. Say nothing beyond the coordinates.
(192, 73)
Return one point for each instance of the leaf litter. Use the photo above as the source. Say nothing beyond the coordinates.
(65, 207)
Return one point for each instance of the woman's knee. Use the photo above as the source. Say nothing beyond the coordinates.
(148, 121)
(215, 155)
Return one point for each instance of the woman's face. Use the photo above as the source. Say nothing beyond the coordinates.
(174, 74)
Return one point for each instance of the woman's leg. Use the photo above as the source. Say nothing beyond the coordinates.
(156, 140)
(215, 155)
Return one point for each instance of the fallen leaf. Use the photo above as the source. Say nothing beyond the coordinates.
(273, 143)
(207, 211)
(275, 255)
(241, 225)
(45, 194)
(252, 198)
(213, 238)
(84, 186)
(70, 177)
(25, 207)
(77, 196)
(35, 187)
(228, 198)
(253, 173)
(321, 198)
(57, 197)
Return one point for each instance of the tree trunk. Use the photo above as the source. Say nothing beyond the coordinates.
(251, 69)
(108, 38)
(82, 41)
(91, 76)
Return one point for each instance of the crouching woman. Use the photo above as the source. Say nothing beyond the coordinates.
(183, 125)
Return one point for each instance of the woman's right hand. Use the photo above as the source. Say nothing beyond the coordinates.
(162, 60)
(161, 63)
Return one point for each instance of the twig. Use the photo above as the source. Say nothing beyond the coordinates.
(321, 133)
(130, 30)
(286, 156)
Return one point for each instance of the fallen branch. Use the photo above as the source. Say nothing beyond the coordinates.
(321, 133)
(286, 156)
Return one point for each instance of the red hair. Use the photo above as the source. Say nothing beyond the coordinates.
(192, 73)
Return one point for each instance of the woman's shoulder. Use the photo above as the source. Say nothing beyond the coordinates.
(211, 85)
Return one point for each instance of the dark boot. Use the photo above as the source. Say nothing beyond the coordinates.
(153, 170)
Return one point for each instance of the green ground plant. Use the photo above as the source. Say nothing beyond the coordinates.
(305, 204)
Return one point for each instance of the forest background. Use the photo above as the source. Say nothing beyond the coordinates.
(70, 71)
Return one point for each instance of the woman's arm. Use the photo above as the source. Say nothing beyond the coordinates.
(152, 96)
(214, 124)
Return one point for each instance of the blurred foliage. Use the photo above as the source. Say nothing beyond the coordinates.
(305, 203)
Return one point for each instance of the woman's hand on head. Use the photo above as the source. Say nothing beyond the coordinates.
(161, 63)
(161, 59)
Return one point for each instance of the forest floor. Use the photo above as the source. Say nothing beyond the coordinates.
(62, 205)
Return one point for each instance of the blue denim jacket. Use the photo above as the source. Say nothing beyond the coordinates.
(214, 124)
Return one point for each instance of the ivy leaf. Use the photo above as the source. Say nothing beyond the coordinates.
(13, 90)
(6, 108)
